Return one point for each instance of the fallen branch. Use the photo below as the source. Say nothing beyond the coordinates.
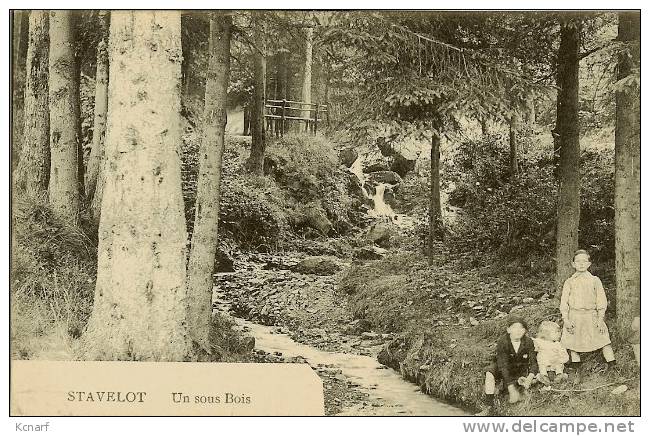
(591, 389)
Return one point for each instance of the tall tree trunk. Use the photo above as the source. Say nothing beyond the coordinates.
(568, 148)
(186, 67)
(514, 152)
(530, 110)
(64, 100)
(77, 109)
(627, 198)
(484, 127)
(283, 76)
(101, 109)
(33, 171)
(204, 237)
(258, 140)
(435, 209)
(306, 77)
(247, 120)
(140, 307)
(17, 36)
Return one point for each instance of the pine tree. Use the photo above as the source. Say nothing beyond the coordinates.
(64, 103)
(204, 236)
(627, 199)
(33, 171)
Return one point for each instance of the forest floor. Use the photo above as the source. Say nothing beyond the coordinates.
(436, 325)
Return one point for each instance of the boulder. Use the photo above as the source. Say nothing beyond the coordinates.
(402, 165)
(313, 216)
(354, 186)
(385, 146)
(319, 265)
(271, 165)
(389, 197)
(248, 344)
(358, 326)
(370, 253)
(389, 177)
(347, 156)
(394, 353)
(374, 167)
(223, 262)
(380, 234)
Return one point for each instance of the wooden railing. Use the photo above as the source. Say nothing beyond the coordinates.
(279, 113)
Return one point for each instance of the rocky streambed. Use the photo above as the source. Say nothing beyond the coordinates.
(292, 307)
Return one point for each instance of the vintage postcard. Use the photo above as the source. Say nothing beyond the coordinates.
(325, 212)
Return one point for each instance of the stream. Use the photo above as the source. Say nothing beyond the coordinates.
(388, 393)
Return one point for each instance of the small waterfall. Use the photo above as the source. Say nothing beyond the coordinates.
(357, 169)
(380, 207)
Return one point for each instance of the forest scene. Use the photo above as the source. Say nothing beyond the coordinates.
(439, 212)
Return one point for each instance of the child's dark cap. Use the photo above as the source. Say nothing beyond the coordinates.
(516, 319)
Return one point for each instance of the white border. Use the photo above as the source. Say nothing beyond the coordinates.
(267, 426)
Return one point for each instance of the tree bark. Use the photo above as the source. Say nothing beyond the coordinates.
(76, 15)
(204, 237)
(64, 101)
(33, 171)
(306, 77)
(321, 81)
(435, 209)
(140, 306)
(186, 67)
(530, 111)
(17, 36)
(258, 140)
(568, 149)
(101, 109)
(514, 152)
(283, 76)
(627, 199)
(484, 127)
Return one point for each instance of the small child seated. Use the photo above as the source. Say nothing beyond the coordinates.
(551, 355)
(515, 363)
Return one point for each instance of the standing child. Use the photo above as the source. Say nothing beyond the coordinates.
(583, 305)
(515, 363)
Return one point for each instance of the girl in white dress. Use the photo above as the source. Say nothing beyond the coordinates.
(583, 305)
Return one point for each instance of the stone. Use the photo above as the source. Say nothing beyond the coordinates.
(271, 165)
(380, 234)
(375, 167)
(385, 146)
(619, 390)
(313, 216)
(401, 165)
(223, 262)
(528, 300)
(248, 344)
(319, 265)
(348, 156)
(358, 326)
(388, 177)
(370, 253)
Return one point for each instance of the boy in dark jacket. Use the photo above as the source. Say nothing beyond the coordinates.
(515, 362)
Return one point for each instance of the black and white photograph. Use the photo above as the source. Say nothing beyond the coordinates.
(430, 212)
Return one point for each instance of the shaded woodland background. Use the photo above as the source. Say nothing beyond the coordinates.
(142, 163)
